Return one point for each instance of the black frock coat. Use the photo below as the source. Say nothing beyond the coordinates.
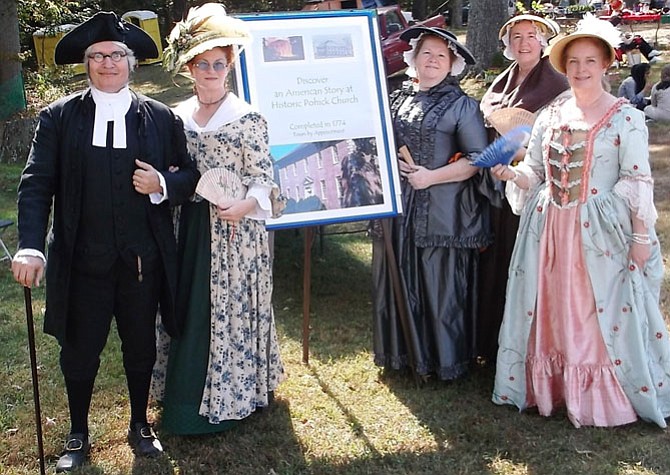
(53, 177)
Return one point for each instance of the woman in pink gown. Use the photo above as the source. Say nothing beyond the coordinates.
(582, 327)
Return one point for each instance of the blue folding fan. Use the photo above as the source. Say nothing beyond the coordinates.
(503, 148)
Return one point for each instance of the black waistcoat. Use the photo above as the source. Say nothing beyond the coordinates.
(114, 222)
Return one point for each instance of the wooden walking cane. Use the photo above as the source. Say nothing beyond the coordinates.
(33, 366)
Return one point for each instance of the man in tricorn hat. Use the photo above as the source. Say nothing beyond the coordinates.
(112, 162)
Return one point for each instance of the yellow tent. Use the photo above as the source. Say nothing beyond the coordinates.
(148, 21)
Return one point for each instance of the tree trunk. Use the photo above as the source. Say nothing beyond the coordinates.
(456, 16)
(16, 135)
(420, 9)
(485, 19)
(12, 96)
(179, 10)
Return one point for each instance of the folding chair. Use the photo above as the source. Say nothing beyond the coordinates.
(4, 224)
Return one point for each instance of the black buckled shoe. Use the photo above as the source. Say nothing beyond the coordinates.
(75, 454)
(143, 440)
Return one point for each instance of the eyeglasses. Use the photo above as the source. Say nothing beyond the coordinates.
(218, 66)
(116, 56)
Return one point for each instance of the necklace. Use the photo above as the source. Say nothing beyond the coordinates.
(202, 103)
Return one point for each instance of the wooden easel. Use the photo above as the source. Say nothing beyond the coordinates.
(394, 275)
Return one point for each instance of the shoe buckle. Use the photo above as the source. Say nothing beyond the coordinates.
(147, 432)
(73, 445)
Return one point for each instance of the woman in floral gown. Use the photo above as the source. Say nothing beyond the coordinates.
(226, 363)
(582, 327)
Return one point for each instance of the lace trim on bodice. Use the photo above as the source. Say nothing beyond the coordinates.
(569, 153)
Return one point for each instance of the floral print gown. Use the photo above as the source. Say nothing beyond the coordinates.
(227, 362)
(582, 326)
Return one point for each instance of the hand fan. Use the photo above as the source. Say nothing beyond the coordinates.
(509, 118)
(503, 148)
(404, 154)
(220, 184)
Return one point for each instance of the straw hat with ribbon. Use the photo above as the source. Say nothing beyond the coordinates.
(205, 27)
(589, 27)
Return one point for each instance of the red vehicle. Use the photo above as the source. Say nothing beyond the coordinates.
(392, 22)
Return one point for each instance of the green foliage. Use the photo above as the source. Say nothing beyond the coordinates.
(9, 181)
(579, 9)
(537, 8)
(47, 84)
(46, 15)
(498, 60)
(250, 6)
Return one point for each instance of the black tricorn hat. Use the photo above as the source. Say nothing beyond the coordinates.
(103, 26)
(447, 36)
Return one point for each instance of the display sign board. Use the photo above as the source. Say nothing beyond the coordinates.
(318, 78)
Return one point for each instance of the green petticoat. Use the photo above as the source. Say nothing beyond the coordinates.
(187, 363)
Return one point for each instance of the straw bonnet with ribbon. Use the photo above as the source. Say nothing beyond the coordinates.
(547, 28)
(205, 27)
(104, 26)
(589, 27)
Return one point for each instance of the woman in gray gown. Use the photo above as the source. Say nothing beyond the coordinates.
(435, 243)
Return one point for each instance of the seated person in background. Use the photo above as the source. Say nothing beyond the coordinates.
(631, 42)
(636, 87)
(659, 109)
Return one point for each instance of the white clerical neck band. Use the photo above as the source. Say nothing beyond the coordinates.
(110, 107)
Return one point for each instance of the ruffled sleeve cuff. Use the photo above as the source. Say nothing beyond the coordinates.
(638, 192)
(31, 253)
(517, 197)
(263, 207)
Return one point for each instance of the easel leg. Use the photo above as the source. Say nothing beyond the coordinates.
(306, 292)
(400, 302)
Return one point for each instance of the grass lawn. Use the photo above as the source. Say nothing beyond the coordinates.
(338, 415)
